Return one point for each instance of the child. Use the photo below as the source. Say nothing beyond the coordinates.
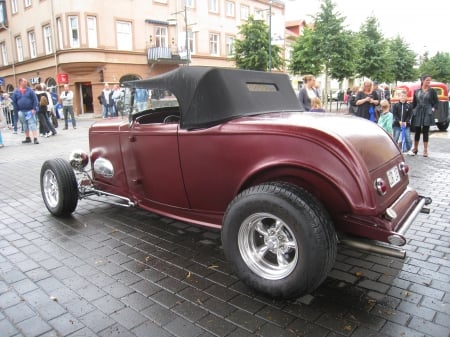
(316, 105)
(386, 118)
(402, 112)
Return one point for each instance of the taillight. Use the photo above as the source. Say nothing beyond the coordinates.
(380, 186)
(404, 168)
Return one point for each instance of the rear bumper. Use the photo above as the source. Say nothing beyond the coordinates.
(394, 239)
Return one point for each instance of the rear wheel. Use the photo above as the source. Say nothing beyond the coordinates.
(279, 239)
(59, 187)
(442, 126)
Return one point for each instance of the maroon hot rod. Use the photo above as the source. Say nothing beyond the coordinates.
(228, 149)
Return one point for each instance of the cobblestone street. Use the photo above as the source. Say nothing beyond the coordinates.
(113, 271)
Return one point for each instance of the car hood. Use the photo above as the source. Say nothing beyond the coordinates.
(361, 135)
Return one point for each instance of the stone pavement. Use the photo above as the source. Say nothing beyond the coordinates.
(111, 271)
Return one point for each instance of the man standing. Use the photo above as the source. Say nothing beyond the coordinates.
(67, 102)
(107, 101)
(25, 102)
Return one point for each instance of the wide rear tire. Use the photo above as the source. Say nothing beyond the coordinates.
(59, 187)
(280, 239)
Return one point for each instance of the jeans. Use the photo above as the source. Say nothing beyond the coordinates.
(68, 110)
(398, 131)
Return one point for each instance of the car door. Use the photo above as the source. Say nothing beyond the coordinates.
(157, 177)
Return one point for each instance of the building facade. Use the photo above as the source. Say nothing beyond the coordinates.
(92, 42)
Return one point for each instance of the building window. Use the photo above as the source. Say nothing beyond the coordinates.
(60, 33)
(32, 42)
(92, 31)
(229, 8)
(124, 37)
(74, 32)
(161, 36)
(19, 49)
(4, 53)
(27, 3)
(14, 7)
(48, 40)
(191, 42)
(213, 6)
(244, 12)
(261, 14)
(230, 45)
(214, 44)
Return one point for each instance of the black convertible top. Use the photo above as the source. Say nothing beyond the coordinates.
(209, 96)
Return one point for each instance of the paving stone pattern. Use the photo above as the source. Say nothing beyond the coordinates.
(112, 271)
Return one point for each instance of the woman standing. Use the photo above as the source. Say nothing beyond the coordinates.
(308, 92)
(366, 100)
(425, 101)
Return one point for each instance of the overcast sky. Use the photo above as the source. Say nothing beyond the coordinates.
(424, 26)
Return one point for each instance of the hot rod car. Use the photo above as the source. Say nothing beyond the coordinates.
(228, 149)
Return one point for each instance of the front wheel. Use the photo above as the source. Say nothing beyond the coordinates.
(59, 187)
(279, 239)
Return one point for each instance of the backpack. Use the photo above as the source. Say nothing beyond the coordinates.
(43, 101)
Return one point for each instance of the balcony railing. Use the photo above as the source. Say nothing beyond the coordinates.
(163, 55)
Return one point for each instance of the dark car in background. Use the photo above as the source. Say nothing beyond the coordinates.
(228, 149)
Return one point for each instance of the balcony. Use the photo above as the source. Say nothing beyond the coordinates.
(164, 55)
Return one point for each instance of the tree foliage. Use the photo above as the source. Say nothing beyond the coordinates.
(438, 67)
(252, 51)
(327, 47)
(402, 59)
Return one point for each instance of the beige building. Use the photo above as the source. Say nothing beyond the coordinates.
(92, 42)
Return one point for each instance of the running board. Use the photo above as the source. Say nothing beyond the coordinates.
(92, 191)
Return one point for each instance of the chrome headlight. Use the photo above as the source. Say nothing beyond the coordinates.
(104, 167)
(79, 159)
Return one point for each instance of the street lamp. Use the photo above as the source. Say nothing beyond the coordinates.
(186, 42)
(188, 56)
(270, 36)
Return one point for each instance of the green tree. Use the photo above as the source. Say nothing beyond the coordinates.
(402, 59)
(304, 58)
(372, 61)
(438, 67)
(252, 51)
(326, 48)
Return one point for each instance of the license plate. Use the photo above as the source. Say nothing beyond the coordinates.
(393, 176)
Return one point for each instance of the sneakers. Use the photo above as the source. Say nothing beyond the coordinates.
(410, 153)
(65, 128)
(27, 140)
(54, 133)
(36, 141)
(47, 134)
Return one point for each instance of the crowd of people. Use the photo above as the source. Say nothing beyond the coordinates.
(31, 111)
(374, 103)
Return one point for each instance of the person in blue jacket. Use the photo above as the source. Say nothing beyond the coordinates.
(25, 102)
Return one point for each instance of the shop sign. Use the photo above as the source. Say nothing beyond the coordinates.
(35, 80)
(62, 78)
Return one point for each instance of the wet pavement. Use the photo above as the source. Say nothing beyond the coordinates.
(112, 271)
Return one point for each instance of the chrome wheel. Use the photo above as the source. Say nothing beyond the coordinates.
(268, 246)
(50, 188)
(59, 187)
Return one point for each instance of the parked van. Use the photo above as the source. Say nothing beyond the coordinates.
(441, 115)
